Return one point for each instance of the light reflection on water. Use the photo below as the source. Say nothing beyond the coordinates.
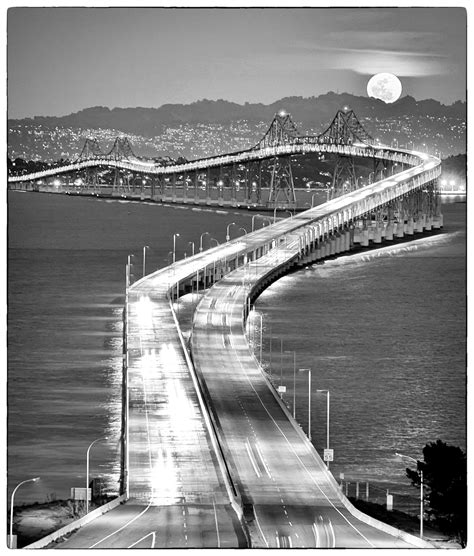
(66, 292)
(377, 350)
(385, 332)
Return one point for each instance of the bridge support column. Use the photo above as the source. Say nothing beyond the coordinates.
(377, 237)
(418, 225)
(338, 247)
(399, 228)
(410, 226)
(347, 240)
(389, 229)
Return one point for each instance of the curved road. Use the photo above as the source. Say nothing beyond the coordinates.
(296, 500)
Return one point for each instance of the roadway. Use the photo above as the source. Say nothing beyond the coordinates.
(296, 500)
(177, 495)
(173, 470)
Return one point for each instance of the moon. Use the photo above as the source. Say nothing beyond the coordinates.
(384, 86)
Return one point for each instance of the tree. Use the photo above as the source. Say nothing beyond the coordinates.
(444, 477)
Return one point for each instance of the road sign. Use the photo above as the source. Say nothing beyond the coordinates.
(282, 389)
(328, 454)
(79, 493)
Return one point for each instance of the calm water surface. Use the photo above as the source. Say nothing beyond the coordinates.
(383, 330)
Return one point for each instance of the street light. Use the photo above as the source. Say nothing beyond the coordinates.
(11, 504)
(87, 469)
(200, 240)
(214, 239)
(244, 230)
(294, 382)
(327, 422)
(253, 220)
(174, 247)
(192, 246)
(421, 488)
(261, 332)
(227, 237)
(144, 257)
(309, 401)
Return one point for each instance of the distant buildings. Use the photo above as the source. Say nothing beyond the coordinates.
(443, 135)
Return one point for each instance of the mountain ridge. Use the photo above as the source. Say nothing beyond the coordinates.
(313, 111)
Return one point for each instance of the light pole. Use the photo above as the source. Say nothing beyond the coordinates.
(200, 240)
(421, 488)
(192, 247)
(327, 421)
(244, 230)
(87, 469)
(214, 239)
(309, 401)
(294, 382)
(129, 268)
(253, 220)
(312, 200)
(11, 504)
(174, 247)
(144, 258)
(261, 333)
(227, 236)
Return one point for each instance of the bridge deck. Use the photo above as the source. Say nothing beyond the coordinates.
(276, 467)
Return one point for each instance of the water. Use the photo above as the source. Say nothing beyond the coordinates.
(66, 278)
(384, 331)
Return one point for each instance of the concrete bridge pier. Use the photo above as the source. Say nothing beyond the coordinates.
(332, 245)
(317, 251)
(400, 229)
(339, 244)
(418, 225)
(409, 227)
(377, 233)
(389, 231)
(347, 240)
(364, 236)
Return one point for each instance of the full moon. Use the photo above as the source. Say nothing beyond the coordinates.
(384, 86)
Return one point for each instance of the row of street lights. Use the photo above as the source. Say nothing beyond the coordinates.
(308, 370)
(328, 454)
(176, 235)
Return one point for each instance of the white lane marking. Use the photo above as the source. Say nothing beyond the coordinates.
(153, 534)
(331, 528)
(217, 525)
(151, 468)
(293, 450)
(263, 461)
(259, 528)
(316, 535)
(249, 451)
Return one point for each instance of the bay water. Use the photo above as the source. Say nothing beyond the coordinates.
(383, 330)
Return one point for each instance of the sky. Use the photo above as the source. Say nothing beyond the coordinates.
(61, 60)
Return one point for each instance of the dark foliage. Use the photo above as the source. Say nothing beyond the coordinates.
(444, 476)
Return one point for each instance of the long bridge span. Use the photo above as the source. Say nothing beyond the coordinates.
(212, 457)
(235, 179)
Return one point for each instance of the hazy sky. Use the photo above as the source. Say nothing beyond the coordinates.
(61, 60)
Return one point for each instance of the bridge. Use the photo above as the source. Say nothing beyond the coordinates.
(212, 455)
(260, 177)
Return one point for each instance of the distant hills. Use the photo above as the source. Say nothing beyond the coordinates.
(312, 111)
